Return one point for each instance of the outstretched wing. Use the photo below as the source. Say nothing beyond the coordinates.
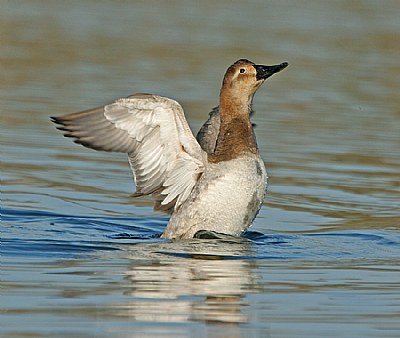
(164, 155)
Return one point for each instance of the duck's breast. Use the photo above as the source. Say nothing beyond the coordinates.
(226, 199)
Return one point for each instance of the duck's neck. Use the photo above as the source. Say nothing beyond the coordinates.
(236, 132)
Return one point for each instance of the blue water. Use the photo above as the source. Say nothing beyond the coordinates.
(114, 276)
(40, 234)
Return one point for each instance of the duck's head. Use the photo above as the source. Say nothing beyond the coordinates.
(243, 78)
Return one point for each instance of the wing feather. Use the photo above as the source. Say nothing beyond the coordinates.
(164, 155)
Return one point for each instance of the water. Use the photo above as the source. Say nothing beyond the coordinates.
(80, 257)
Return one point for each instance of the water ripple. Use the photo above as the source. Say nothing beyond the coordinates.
(74, 236)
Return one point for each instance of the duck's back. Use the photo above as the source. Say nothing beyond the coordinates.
(208, 133)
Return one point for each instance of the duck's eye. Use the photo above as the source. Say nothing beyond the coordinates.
(242, 70)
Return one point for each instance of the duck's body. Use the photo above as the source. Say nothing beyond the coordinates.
(216, 183)
(226, 199)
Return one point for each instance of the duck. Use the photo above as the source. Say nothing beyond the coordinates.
(214, 182)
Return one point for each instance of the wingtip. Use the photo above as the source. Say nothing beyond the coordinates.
(56, 119)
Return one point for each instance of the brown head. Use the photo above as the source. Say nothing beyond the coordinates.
(242, 79)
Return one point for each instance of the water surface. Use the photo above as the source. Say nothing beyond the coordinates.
(80, 257)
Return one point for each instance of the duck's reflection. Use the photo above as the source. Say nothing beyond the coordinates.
(194, 280)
